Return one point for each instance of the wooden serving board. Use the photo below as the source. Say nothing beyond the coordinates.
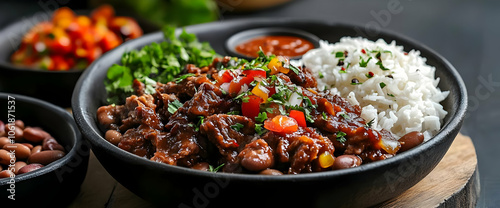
(453, 183)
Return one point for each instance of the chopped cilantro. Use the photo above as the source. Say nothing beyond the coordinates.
(382, 85)
(261, 117)
(294, 69)
(391, 95)
(181, 78)
(237, 126)
(233, 113)
(339, 54)
(214, 170)
(364, 63)
(340, 137)
(345, 116)
(259, 130)
(379, 63)
(324, 116)
(370, 123)
(321, 75)
(174, 106)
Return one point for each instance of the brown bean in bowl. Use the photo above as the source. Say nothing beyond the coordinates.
(43, 159)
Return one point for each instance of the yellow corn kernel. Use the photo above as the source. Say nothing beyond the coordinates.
(261, 92)
(326, 160)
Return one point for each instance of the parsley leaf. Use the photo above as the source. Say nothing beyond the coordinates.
(237, 126)
(324, 116)
(339, 54)
(174, 106)
(321, 75)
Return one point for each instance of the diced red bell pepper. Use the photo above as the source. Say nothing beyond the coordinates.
(251, 109)
(299, 117)
(254, 73)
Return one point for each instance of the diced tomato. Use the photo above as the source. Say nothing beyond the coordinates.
(272, 90)
(62, 17)
(125, 26)
(104, 12)
(109, 41)
(227, 76)
(237, 83)
(299, 117)
(254, 73)
(251, 109)
(281, 124)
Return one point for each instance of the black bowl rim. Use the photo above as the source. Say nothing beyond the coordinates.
(249, 34)
(76, 135)
(94, 136)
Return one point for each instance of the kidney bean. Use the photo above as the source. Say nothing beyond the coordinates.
(51, 144)
(21, 151)
(114, 137)
(346, 161)
(19, 124)
(2, 129)
(29, 168)
(256, 156)
(28, 145)
(410, 140)
(1, 168)
(35, 134)
(270, 171)
(36, 149)
(105, 116)
(18, 165)
(5, 157)
(6, 174)
(46, 157)
(201, 166)
(18, 136)
(3, 141)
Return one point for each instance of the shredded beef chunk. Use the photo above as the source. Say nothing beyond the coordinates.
(230, 133)
(137, 141)
(300, 150)
(304, 78)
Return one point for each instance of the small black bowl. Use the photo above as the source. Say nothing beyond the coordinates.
(53, 86)
(247, 35)
(174, 186)
(56, 184)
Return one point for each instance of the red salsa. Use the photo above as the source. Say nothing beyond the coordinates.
(279, 45)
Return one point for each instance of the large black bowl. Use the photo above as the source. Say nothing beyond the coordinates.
(362, 186)
(59, 182)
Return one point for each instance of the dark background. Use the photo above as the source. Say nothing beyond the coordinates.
(464, 32)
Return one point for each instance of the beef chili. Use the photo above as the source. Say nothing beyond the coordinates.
(262, 116)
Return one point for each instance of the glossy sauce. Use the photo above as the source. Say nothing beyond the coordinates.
(279, 45)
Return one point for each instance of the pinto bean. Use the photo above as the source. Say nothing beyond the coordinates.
(46, 157)
(35, 135)
(36, 149)
(18, 165)
(51, 144)
(6, 174)
(2, 129)
(19, 124)
(5, 157)
(270, 171)
(28, 145)
(105, 115)
(29, 168)
(114, 137)
(346, 161)
(3, 141)
(21, 151)
(411, 140)
(256, 156)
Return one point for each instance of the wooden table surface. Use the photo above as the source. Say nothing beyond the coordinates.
(453, 183)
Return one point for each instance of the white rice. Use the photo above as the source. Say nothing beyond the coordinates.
(415, 104)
